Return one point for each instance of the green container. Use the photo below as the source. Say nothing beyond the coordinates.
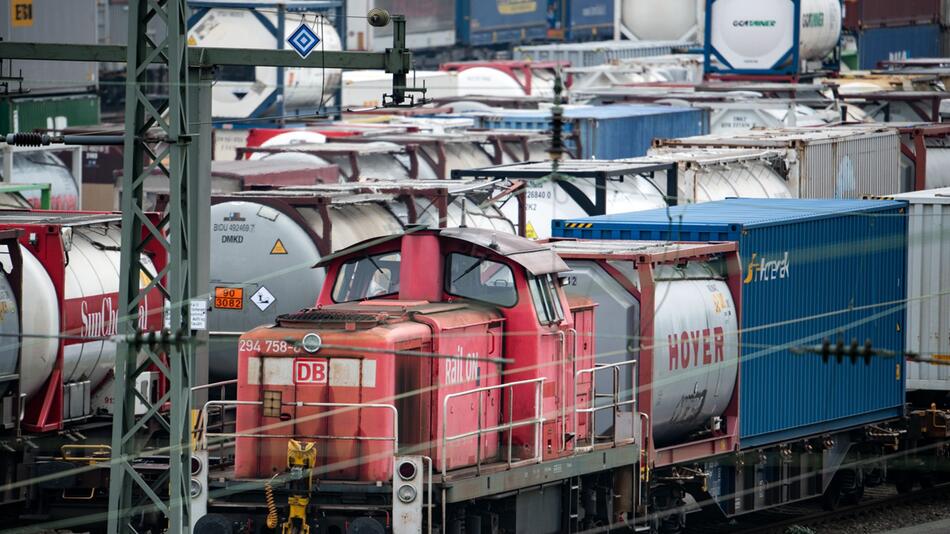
(25, 114)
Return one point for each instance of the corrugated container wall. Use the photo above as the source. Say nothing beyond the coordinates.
(813, 269)
(945, 13)
(482, 22)
(26, 114)
(597, 53)
(928, 287)
(824, 163)
(52, 21)
(861, 14)
(610, 132)
(902, 42)
(588, 19)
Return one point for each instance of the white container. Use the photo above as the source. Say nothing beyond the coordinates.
(242, 93)
(654, 20)
(840, 162)
(705, 174)
(928, 287)
(757, 34)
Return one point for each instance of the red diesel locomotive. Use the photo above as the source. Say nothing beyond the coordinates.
(446, 381)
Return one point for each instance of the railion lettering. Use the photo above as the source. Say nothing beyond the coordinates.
(697, 348)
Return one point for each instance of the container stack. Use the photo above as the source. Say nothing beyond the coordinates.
(884, 30)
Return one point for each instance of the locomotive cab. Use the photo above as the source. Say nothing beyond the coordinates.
(456, 346)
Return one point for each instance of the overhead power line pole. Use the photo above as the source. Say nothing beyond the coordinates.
(181, 152)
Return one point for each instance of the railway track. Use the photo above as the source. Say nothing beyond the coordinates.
(811, 514)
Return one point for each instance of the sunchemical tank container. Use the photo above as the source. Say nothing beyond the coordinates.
(649, 20)
(812, 269)
(610, 132)
(597, 52)
(894, 43)
(845, 162)
(861, 14)
(778, 37)
(928, 287)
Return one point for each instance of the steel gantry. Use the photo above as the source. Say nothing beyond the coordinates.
(173, 136)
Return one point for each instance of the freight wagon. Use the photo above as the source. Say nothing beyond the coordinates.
(451, 30)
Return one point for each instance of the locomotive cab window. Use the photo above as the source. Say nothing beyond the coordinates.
(545, 298)
(480, 279)
(368, 277)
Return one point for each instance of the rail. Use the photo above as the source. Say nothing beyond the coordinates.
(616, 404)
(223, 404)
(536, 421)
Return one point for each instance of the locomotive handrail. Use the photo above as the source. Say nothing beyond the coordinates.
(223, 403)
(537, 421)
(615, 405)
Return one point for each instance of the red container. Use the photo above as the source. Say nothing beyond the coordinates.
(863, 14)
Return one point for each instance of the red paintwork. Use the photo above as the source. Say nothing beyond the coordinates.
(444, 326)
(45, 412)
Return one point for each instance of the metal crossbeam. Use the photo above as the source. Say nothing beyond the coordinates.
(208, 57)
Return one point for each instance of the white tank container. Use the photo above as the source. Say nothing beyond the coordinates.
(666, 20)
(756, 34)
(547, 201)
(90, 309)
(839, 162)
(240, 93)
(705, 175)
(696, 337)
(692, 318)
(488, 81)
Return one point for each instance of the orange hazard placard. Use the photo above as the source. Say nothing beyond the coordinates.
(229, 298)
(21, 13)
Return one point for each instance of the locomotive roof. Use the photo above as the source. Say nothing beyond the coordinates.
(536, 258)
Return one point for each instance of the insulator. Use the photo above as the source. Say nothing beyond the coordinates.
(28, 139)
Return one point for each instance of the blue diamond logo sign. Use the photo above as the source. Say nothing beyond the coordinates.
(303, 40)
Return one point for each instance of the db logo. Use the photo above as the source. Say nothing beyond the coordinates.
(310, 371)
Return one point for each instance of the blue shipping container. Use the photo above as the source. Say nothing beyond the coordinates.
(896, 43)
(612, 132)
(501, 22)
(588, 19)
(813, 269)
